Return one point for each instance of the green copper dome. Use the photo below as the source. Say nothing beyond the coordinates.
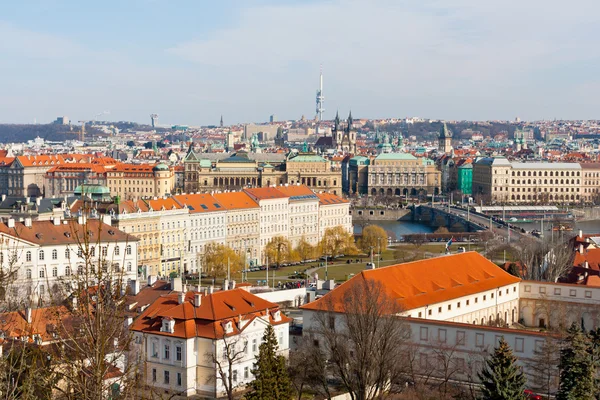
(160, 167)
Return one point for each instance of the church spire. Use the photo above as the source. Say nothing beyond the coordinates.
(221, 120)
(350, 121)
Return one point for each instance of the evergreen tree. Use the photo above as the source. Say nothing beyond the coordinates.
(271, 379)
(502, 378)
(576, 367)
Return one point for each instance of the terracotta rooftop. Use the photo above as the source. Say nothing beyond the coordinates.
(265, 193)
(297, 192)
(434, 280)
(45, 233)
(235, 200)
(197, 203)
(326, 199)
(208, 319)
(40, 160)
(44, 322)
(168, 203)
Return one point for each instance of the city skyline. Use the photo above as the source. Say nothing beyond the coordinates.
(193, 63)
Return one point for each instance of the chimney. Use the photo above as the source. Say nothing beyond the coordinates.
(232, 284)
(3, 197)
(135, 286)
(56, 221)
(211, 289)
(197, 299)
(180, 297)
(128, 321)
(28, 314)
(38, 201)
(28, 222)
(151, 280)
(225, 284)
(586, 265)
(176, 285)
(74, 303)
(581, 233)
(11, 223)
(580, 248)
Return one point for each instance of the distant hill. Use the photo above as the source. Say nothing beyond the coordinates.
(423, 130)
(22, 133)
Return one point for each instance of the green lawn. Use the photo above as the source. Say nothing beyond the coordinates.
(339, 270)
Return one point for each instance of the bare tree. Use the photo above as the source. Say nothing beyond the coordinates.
(233, 350)
(546, 260)
(364, 343)
(544, 372)
(308, 369)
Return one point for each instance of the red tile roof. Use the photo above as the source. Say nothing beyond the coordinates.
(326, 199)
(208, 319)
(45, 233)
(420, 283)
(197, 203)
(235, 200)
(265, 193)
(295, 190)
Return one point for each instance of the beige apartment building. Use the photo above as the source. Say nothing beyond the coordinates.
(133, 181)
(590, 188)
(527, 183)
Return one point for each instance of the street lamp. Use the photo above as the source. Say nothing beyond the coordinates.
(379, 257)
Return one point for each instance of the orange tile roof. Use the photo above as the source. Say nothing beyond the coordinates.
(420, 283)
(169, 203)
(592, 256)
(45, 233)
(235, 200)
(41, 160)
(77, 167)
(197, 203)
(326, 199)
(6, 161)
(265, 193)
(295, 190)
(44, 322)
(206, 320)
(133, 167)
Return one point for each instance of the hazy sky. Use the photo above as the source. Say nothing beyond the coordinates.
(191, 61)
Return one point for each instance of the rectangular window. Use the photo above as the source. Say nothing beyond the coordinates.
(154, 350)
(420, 314)
(539, 346)
(167, 377)
(449, 307)
(527, 288)
(439, 310)
(246, 372)
(280, 339)
(467, 302)
(178, 353)
(254, 346)
(424, 333)
(491, 295)
(179, 379)
(484, 297)
(588, 294)
(429, 311)
(519, 342)
(557, 291)
(234, 375)
(476, 300)
(460, 338)
(458, 305)
(167, 352)
(153, 374)
(542, 290)
(479, 339)
(572, 292)
(442, 335)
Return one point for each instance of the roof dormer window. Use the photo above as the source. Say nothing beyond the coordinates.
(228, 327)
(168, 325)
(277, 315)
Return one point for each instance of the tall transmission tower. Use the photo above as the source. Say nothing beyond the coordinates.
(320, 98)
(154, 118)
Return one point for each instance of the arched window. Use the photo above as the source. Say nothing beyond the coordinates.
(128, 250)
(42, 273)
(129, 266)
(41, 255)
(80, 270)
(67, 254)
(54, 272)
(28, 273)
(68, 270)
(117, 250)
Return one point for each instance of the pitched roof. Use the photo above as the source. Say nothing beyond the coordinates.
(45, 233)
(297, 192)
(201, 202)
(40, 160)
(169, 203)
(434, 280)
(235, 200)
(44, 322)
(265, 193)
(326, 199)
(207, 319)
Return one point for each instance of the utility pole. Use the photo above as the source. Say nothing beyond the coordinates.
(267, 281)
(228, 270)
(379, 256)
(326, 274)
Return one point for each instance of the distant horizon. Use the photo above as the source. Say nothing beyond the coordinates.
(192, 62)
